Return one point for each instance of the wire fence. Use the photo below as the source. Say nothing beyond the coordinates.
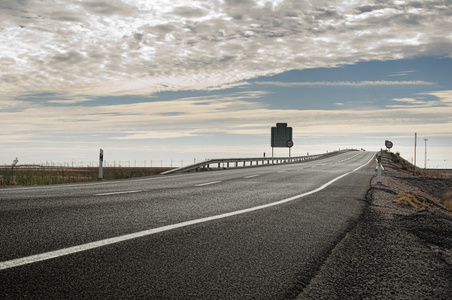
(54, 174)
(172, 163)
(51, 172)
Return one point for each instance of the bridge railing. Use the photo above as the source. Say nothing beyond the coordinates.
(226, 163)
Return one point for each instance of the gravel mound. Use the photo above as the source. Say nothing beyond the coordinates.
(394, 252)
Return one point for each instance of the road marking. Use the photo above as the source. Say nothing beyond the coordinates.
(207, 183)
(251, 176)
(117, 193)
(347, 159)
(84, 247)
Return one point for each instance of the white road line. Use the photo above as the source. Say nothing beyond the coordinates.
(347, 159)
(207, 183)
(117, 193)
(251, 176)
(71, 250)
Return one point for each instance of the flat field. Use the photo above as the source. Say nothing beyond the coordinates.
(36, 175)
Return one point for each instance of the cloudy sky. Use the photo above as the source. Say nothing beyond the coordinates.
(185, 80)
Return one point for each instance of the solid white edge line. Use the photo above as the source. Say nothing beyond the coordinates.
(75, 249)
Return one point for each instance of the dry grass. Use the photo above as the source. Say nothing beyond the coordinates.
(58, 175)
(409, 199)
(405, 166)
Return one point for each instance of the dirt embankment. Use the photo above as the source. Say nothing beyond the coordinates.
(401, 248)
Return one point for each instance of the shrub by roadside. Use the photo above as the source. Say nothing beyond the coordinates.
(409, 199)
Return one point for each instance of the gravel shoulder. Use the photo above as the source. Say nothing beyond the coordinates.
(394, 251)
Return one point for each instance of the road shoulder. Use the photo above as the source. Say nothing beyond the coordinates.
(394, 252)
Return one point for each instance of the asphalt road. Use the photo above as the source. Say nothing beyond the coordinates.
(251, 233)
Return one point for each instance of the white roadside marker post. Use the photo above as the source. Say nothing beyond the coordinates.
(101, 160)
(379, 166)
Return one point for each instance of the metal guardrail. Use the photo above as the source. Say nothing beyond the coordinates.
(226, 163)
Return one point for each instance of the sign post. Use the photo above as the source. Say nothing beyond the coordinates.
(388, 144)
(415, 145)
(101, 161)
(289, 144)
(425, 161)
(281, 136)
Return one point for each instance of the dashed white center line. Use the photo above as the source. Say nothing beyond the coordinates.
(117, 193)
(207, 183)
(346, 159)
(251, 176)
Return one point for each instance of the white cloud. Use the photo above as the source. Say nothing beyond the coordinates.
(345, 83)
(104, 47)
(108, 8)
(406, 100)
(238, 113)
(443, 98)
(401, 73)
(58, 57)
(164, 134)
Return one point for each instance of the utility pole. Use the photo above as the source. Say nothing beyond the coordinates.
(425, 163)
(415, 144)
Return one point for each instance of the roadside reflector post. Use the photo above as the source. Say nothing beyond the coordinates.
(12, 168)
(101, 161)
(379, 166)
